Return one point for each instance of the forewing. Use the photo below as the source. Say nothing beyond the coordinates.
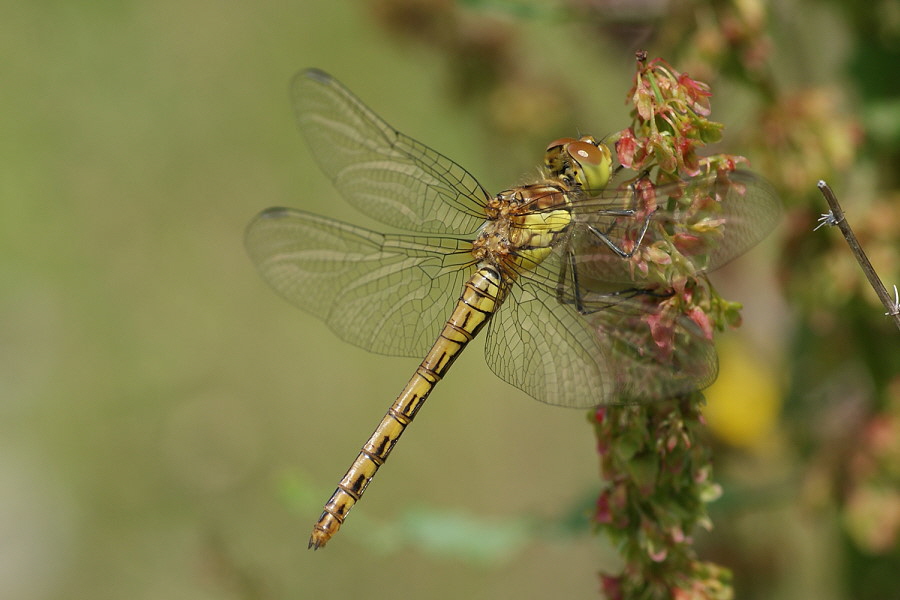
(383, 173)
(702, 223)
(547, 350)
(385, 293)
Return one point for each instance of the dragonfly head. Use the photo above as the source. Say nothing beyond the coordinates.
(584, 163)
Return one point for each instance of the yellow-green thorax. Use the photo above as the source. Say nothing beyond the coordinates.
(522, 226)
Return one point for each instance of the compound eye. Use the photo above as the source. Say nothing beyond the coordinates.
(556, 157)
(560, 142)
(585, 153)
(594, 163)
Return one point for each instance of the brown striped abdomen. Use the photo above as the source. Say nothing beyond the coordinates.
(482, 294)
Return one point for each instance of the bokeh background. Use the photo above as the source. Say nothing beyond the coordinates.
(170, 427)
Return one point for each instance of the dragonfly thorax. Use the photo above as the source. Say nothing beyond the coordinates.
(523, 225)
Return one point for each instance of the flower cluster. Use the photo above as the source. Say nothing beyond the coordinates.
(656, 470)
(658, 482)
(670, 114)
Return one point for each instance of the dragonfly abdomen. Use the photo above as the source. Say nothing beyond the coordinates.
(482, 294)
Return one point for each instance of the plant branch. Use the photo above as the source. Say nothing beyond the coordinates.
(835, 216)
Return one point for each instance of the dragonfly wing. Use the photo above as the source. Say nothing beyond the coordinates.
(653, 352)
(547, 350)
(628, 347)
(385, 293)
(750, 208)
(383, 173)
(708, 220)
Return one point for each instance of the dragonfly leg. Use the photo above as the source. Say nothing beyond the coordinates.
(603, 237)
(580, 299)
(569, 265)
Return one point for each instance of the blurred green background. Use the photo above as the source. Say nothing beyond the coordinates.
(170, 427)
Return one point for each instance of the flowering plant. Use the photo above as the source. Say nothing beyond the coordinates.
(657, 471)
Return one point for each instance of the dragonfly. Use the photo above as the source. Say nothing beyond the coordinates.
(547, 268)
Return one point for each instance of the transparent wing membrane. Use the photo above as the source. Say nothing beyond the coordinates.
(651, 352)
(383, 173)
(385, 293)
(547, 350)
(708, 220)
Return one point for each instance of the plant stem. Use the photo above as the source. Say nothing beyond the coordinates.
(836, 217)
